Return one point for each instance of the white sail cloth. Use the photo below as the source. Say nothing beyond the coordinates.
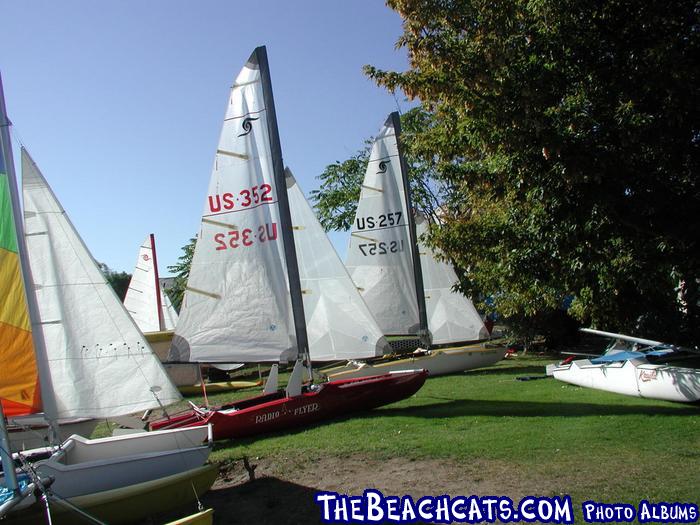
(98, 363)
(141, 299)
(451, 316)
(170, 316)
(379, 254)
(338, 322)
(380, 262)
(237, 307)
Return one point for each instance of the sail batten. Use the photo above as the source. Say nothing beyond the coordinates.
(94, 351)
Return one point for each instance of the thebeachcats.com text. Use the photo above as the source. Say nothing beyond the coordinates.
(375, 507)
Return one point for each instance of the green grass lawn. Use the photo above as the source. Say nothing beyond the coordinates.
(586, 443)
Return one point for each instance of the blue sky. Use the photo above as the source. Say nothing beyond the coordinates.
(120, 103)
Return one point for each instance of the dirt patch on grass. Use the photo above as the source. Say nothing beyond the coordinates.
(284, 489)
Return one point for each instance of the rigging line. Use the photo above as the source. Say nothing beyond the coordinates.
(396, 100)
(14, 131)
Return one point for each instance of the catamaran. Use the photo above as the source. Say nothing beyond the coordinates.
(625, 369)
(407, 289)
(244, 300)
(67, 331)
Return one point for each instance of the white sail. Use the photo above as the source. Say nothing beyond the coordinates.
(237, 307)
(451, 316)
(379, 255)
(99, 364)
(338, 322)
(170, 316)
(141, 299)
(380, 261)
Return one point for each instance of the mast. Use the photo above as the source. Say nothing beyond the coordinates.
(161, 321)
(423, 332)
(8, 466)
(290, 256)
(47, 399)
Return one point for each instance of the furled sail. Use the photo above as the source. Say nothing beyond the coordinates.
(19, 380)
(451, 316)
(98, 362)
(237, 306)
(338, 322)
(379, 255)
(142, 296)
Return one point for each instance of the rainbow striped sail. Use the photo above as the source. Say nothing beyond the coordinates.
(19, 379)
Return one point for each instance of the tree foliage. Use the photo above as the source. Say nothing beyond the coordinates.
(568, 134)
(119, 281)
(336, 199)
(181, 269)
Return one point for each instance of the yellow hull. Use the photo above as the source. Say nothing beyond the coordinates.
(206, 517)
(437, 362)
(215, 388)
(128, 504)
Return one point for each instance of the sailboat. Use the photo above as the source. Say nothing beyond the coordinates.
(73, 337)
(130, 504)
(154, 314)
(145, 300)
(19, 384)
(244, 300)
(156, 317)
(625, 369)
(407, 289)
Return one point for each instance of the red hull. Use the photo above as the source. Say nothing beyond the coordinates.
(272, 412)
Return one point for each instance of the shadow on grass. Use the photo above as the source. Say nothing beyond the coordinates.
(497, 371)
(450, 407)
(466, 407)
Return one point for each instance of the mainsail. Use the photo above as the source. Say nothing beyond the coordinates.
(237, 306)
(19, 381)
(145, 296)
(381, 256)
(338, 322)
(97, 362)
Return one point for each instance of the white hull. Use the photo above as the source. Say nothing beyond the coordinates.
(635, 377)
(27, 432)
(85, 466)
(436, 362)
